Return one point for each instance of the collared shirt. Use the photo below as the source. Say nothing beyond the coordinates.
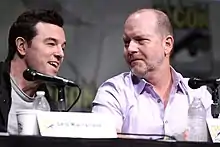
(138, 109)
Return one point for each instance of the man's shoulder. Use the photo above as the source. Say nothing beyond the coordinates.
(118, 80)
(1, 63)
(4, 66)
(4, 72)
(121, 76)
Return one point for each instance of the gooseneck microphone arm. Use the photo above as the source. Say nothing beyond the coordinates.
(213, 84)
(61, 83)
(215, 97)
(61, 98)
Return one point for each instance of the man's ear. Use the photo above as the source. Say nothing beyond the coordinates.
(168, 44)
(21, 45)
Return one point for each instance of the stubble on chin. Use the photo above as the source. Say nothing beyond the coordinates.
(140, 73)
(142, 70)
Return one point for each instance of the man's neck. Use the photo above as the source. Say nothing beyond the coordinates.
(16, 71)
(161, 80)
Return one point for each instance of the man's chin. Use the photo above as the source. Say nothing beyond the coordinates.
(51, 73)
(138, 73)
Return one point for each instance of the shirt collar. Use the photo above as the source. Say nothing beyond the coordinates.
(178, 81)
(140, 84)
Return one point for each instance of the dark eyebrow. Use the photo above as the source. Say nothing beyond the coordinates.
(53, 39)
(50, 39)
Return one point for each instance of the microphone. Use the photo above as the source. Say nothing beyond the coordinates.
(33, 75)
(195, 83)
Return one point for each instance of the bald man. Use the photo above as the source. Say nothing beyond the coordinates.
(152, 98)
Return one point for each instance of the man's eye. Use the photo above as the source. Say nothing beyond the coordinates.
(126, 42)
(142, 41)
(139, 39)
(52, 44)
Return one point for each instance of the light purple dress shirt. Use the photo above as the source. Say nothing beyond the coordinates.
(137, 108)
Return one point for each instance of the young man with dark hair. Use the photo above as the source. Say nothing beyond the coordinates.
(37, 41)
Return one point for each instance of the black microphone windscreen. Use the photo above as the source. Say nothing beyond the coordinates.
(32, 75)
(193, 83)
(28, 75)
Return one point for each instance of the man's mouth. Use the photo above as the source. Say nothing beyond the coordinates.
(133, 60)
(54, 64)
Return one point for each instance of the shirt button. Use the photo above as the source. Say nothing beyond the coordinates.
(166, 122)
(4, 101)
(158, 100)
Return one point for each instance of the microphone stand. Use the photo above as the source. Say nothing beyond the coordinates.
(215, 97)
(61, 98)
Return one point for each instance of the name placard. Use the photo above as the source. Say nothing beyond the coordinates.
(76, 124)
(214, 129)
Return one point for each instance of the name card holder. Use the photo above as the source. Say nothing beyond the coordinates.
(214, 129)
(76, 125)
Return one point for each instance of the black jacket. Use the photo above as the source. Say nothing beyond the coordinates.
(5, 95)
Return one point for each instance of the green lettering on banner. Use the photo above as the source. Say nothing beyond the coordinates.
(187, 16)
(191, 19)
(203, 21)
(177, 18)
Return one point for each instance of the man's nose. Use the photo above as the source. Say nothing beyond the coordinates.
(59, 54)
(133, 47)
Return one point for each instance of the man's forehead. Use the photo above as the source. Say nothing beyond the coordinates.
(144, 16)
(42, 27)
(140, 21)
(136, 34)
(47, 30)
(139, 24)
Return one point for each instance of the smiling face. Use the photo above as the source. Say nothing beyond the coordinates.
(143, 44)
(46, 51)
